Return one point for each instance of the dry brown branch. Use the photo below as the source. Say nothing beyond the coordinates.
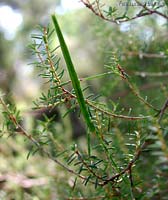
(95, 8)
(129, 166)
(151, 11)
(28, 136)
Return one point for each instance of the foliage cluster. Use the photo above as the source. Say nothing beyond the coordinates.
(124, 154)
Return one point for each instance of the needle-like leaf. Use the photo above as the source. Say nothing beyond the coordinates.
(73, 75)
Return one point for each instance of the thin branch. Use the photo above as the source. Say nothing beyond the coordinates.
(151, 11)
(162, 111)
(139, 97)
(106, 112)
(92, 104)
(86, 165)
(124, 77)
(129, 166)
(69, 95)
(24, 133)
(50, 59)
(97, 12)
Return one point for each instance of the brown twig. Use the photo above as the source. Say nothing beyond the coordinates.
(97, 12)
(151, 11)
(129, 166)
(162, 111)
(68, 95)
(24, 133)
(87, 166)
(124, 76)
(108, 113)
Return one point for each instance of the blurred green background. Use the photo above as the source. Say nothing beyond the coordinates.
(141, 46)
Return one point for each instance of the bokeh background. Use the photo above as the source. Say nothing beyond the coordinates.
(141, 46)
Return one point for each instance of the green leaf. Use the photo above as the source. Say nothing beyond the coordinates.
(87, 180)
(73, 75)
